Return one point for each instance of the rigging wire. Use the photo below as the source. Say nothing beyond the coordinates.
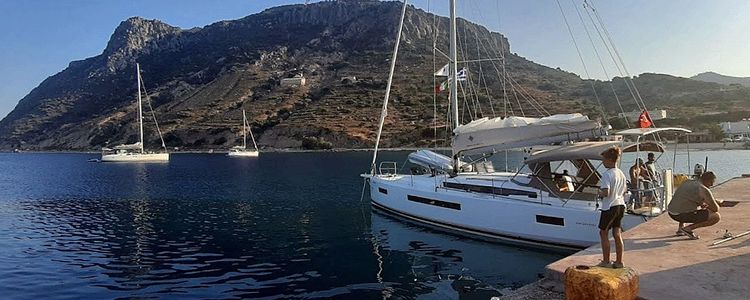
(482, 79)
(434, 66)
(612, 81)
(153, 115)
(610, 51)
(502, 54)
(619, 58)
(580, 56)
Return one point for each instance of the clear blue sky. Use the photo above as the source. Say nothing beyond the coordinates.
(683, 38)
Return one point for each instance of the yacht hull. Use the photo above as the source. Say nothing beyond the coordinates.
(243, 154)
(531, 217)
(136, 157)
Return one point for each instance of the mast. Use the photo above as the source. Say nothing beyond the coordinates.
(140, 105)
(453, 80)
(244, 134)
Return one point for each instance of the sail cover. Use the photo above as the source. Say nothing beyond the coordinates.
(491, 135)
(431, 160)
(135, 146)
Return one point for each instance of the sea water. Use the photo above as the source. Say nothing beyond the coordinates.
(284, 225)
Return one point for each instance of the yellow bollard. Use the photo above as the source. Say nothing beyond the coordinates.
(595, 283)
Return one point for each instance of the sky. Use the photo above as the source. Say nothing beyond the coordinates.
(39, 38)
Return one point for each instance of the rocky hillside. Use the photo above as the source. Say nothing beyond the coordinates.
(199, 81)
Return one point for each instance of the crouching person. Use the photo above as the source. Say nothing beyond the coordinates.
(694, 203)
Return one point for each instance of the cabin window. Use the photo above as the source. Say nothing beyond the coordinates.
(489, 189)
(434, 202)
(382, 190)
(550, 220)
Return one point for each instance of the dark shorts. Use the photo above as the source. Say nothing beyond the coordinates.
(612, 217)
(697, 216)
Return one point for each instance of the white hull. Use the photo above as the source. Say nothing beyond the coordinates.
(243, 154)
(136, 157)
(541, 220)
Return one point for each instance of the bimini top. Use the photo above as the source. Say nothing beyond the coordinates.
(588, 150)
(647, 131)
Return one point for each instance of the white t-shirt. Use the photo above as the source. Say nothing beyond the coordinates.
(614, 180)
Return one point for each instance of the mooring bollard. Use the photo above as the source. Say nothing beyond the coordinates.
(594, 283)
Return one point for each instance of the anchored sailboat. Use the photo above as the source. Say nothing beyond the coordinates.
(242, 151)
(136, 152)
(551, 202)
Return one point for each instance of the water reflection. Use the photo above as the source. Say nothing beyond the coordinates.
(143, 245)
(205, 226)
(444, 265)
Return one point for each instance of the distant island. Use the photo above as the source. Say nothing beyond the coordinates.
(722, 79)
(311, 77)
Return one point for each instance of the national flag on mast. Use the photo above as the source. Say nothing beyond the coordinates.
(461, 74)
(441, 87)
(443, 71)
(644, 120)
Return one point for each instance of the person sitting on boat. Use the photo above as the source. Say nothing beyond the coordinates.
(694, 203)
(651, 168)
(612, 189)
(639, 177)
(564, 182)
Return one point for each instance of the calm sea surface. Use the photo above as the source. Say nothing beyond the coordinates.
(285, 225)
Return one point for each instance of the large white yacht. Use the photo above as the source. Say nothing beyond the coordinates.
(551, 202)
(242, 151)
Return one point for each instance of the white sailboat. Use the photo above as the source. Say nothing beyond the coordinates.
(136, 152)
(242, 151)
(529, 206)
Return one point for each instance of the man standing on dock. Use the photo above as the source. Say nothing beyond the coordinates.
(612, 191)
(694, 203)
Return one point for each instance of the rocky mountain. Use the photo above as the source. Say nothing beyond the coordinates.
(199, 80)
(722, 79)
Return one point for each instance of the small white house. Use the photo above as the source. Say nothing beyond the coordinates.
(295, 81)
(736, 129)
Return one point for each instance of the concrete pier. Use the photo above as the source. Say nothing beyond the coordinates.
(674, 267)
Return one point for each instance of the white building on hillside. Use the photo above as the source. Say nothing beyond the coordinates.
(295, 81)
(736, 129)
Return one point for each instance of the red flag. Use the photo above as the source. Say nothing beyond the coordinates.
(644, 120)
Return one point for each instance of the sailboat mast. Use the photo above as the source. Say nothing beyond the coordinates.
(453, 84)
(140, 105)
(453, 80)
(244, 134)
